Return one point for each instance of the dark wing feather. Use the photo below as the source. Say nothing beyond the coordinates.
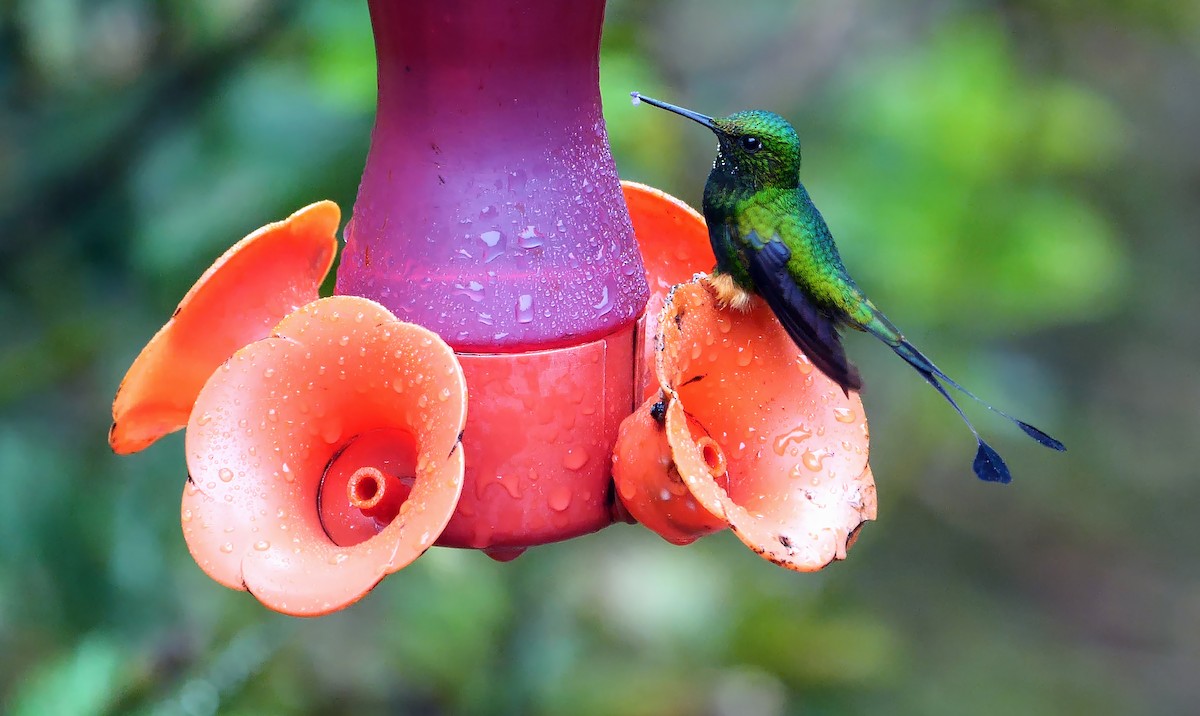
(810, 327)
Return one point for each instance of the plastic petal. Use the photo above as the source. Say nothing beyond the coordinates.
(253, 285)
(340, 381)
(674, 243)
(761, 439)
(648, 482)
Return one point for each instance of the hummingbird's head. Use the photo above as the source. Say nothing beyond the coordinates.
(759, 146)
(756, 147)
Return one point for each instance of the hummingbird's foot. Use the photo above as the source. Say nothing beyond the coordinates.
(727, 292)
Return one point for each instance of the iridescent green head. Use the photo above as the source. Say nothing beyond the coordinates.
(756, 147)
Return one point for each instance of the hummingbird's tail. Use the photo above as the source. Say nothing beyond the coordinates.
(988, 464)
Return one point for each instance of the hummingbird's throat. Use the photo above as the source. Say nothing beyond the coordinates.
(728, 293)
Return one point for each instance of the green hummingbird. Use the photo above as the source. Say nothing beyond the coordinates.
(770, 241)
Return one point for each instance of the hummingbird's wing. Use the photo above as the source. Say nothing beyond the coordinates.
(812, 329)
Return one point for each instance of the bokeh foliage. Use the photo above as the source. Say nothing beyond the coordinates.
(1016, 183)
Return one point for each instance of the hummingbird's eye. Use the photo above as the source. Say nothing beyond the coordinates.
(751, 144)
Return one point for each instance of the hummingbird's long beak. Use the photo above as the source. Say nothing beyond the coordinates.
(694, 116)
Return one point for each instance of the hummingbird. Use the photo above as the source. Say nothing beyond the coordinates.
(771, 241)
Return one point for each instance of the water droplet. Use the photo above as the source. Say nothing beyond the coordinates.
(628, 489)
(812, 459)
(525, 309)
(344, 340)
(575, 459)
(444, 395)
(744, 357)
(225, 474)
(262, 545)
(187, 515)
(423, 400)
(605, 305)
(795, 435)
(227, 548)
(843, 415)
(528, 238)
(331, 430)
(472, 290)
(560, 498)
(273, 415)
(204, 419)
(491, 240)
(287, 472)
(268, 372)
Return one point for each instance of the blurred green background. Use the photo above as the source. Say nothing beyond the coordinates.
(1017, 183)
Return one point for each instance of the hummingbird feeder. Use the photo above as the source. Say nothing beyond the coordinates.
(516, 354)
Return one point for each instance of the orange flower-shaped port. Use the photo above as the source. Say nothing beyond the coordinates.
(674, 244)
(257, 282)
(324, 457)
(737, 428)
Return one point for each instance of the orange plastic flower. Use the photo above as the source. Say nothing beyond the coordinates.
(324, 457)
(737, 428)
(674, 243)
(257, 282)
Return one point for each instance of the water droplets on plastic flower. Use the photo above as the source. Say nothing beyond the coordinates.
(798, 434)
(745, 356)
(331, 430)
(560, 498)
(575, 459)
(813, 459)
